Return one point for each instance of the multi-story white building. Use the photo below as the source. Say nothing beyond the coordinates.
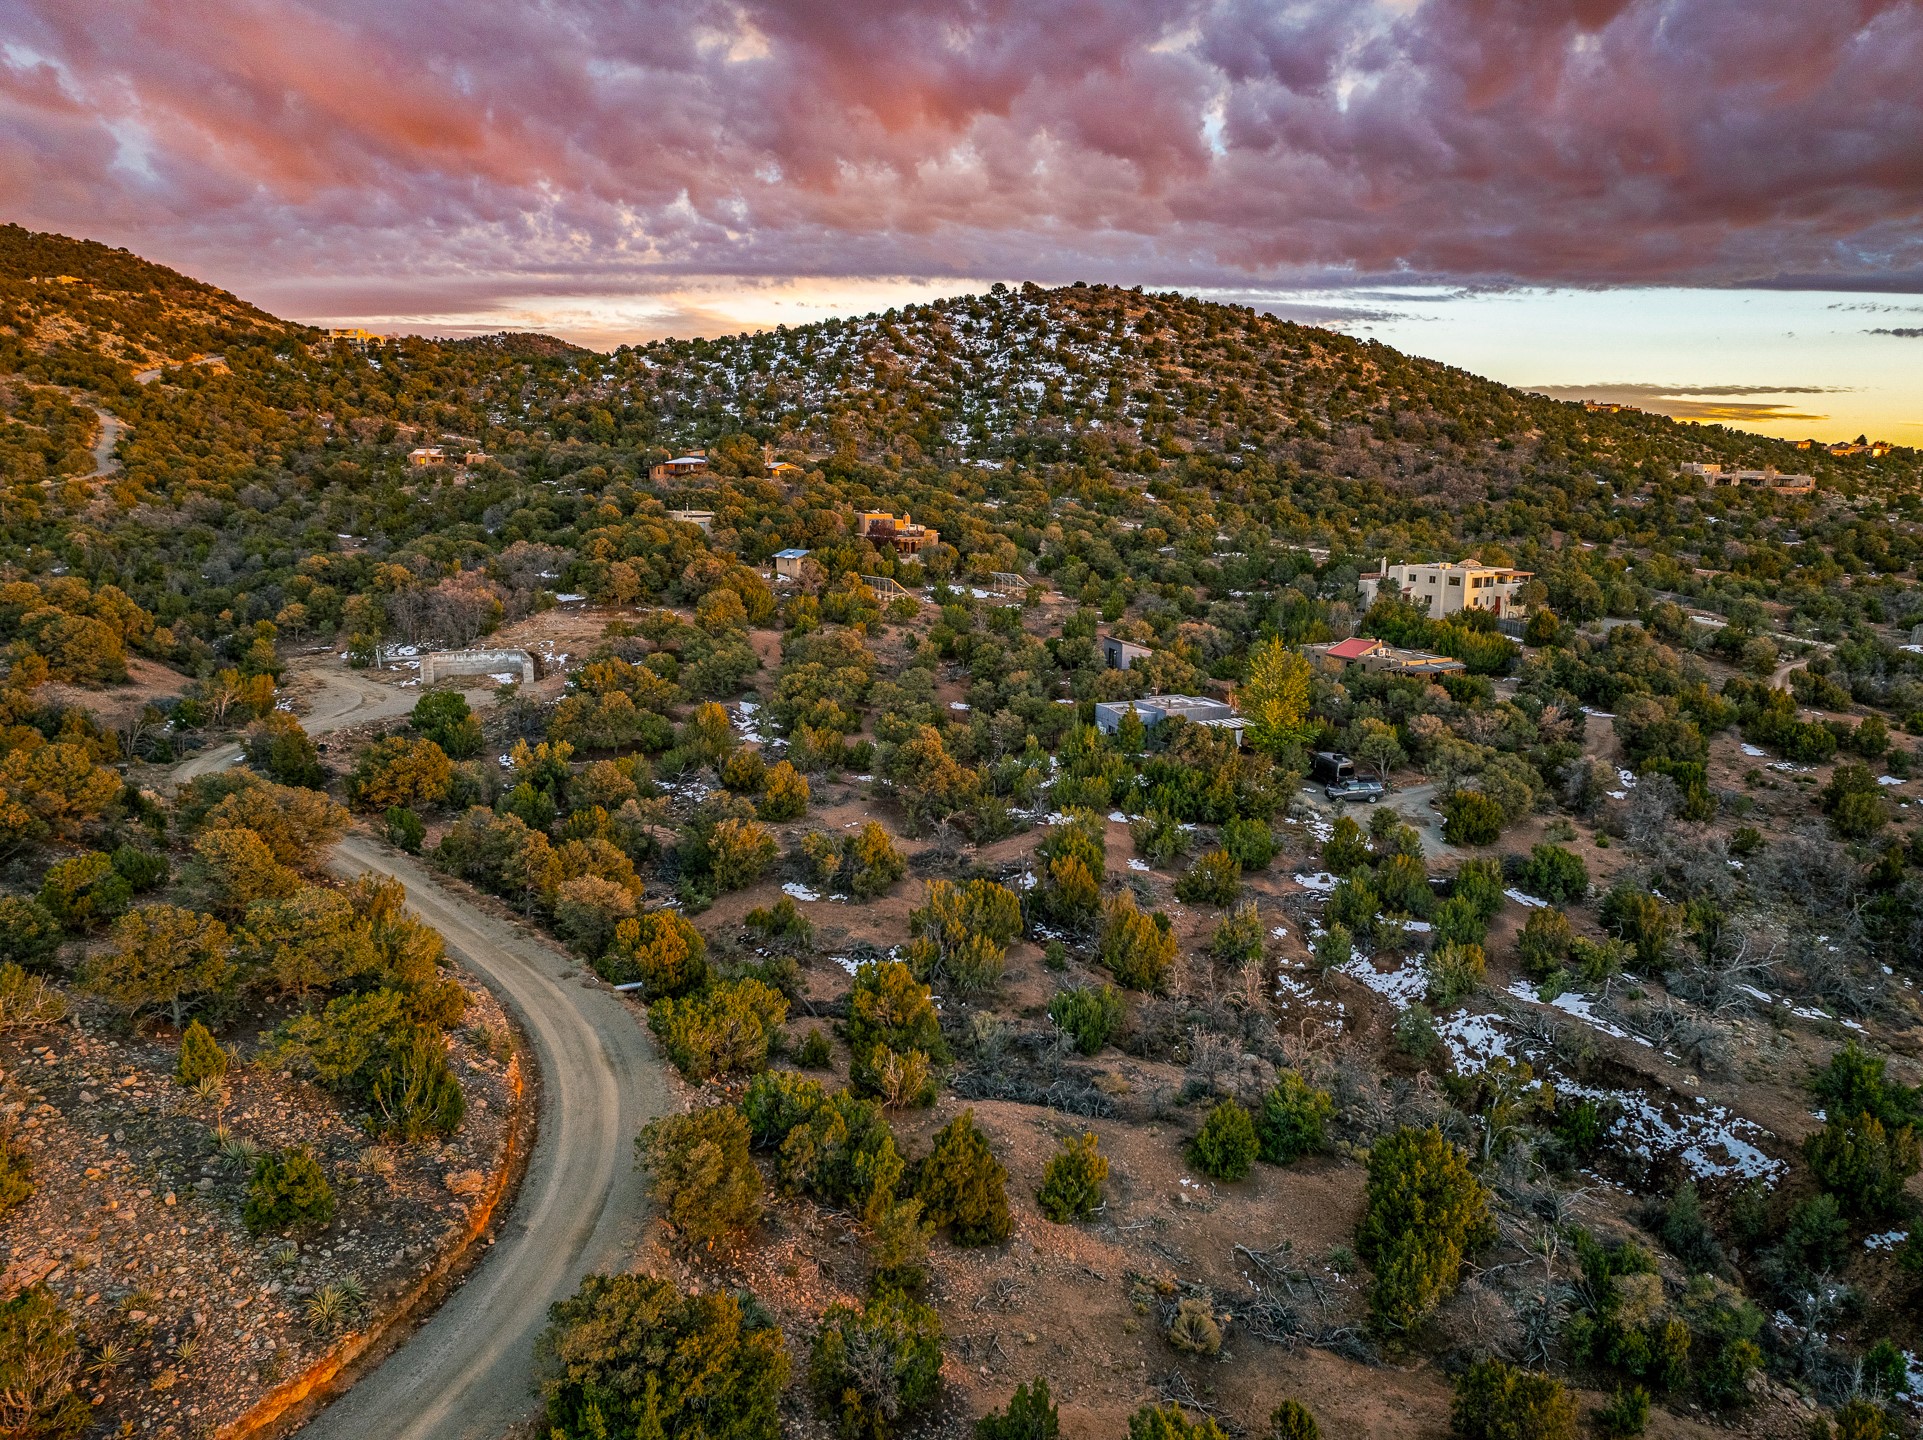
(1444, 589)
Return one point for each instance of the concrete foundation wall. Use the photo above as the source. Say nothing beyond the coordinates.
(442, 664)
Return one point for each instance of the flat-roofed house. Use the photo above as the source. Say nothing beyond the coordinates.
(903, 536)
(1768, 478)
(1444, 589)
(1119, 654)
(1152, 710)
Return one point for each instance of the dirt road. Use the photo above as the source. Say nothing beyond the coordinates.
(111, 429)
(346, 698)
(467, 1373)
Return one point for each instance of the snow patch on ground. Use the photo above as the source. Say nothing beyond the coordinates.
(1401, 988)
(1578, 1005)
(1475, 1041)
(1300, 989)
(1888, 1240)
(1528, 901)
(747, 722)
(798, 891)
(1322, 882)
(1710, 1141)
(1135, 862)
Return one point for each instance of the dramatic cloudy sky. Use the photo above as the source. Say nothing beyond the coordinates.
(1500, 182)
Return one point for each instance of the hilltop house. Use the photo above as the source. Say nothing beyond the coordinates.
(1444, 589)
(702, 519)
(427, 455)
(788, 563)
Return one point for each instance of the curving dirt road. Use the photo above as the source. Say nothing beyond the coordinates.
(467, 1374)
(346, 698)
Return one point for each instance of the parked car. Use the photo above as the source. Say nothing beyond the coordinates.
(1369, 791)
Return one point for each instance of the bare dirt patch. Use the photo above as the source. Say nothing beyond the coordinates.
(136, 1217)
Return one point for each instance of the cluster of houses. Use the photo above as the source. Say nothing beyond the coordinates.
(881, 528)
(1444, 589)
(1861, 445)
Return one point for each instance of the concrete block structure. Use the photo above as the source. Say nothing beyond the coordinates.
(440, 665)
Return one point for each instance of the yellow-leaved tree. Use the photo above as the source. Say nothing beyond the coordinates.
(1275, 701)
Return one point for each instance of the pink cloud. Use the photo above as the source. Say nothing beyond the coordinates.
(595, 142)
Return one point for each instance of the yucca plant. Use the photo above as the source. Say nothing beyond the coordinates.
(331, 1307)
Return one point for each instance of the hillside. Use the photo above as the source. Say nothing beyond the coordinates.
(1081, 433)
(61, 298)
(1023, 1030)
